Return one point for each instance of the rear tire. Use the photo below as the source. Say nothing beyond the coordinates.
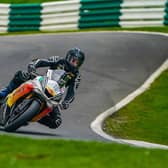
(24, 118)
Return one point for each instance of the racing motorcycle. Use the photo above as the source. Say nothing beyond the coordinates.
(32, 100)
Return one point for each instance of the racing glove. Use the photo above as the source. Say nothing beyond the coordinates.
(31, 68)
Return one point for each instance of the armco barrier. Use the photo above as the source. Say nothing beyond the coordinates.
(24, 17)
(4, 14)
(142, 13)
(166, 16)
(99, 13)
(45, 16)
(60, 15)
(79, 14)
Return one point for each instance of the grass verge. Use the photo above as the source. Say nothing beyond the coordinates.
(146, 117)
(163, 29)
(24, 152)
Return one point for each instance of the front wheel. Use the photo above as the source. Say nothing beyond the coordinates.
(28, 114)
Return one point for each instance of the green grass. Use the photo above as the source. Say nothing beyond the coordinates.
(163, 29)
(146, 117)
(27, 1)
(26, 153)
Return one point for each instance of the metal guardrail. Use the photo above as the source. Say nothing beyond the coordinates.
(143, 13)
(123, 13)
(60, 15)
(45, 16)
(78, 14)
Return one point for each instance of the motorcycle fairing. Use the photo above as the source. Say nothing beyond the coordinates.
(42, 114)
(19, 92)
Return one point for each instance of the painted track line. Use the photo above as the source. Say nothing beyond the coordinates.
(96, 125)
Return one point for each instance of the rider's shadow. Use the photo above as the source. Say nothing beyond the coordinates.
(26, 132)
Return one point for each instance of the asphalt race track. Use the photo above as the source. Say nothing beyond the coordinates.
(116, 64)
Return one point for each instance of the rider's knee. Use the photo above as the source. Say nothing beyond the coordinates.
(21, 76)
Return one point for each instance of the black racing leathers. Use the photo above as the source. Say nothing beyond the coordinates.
(72, 79)
(72, 74)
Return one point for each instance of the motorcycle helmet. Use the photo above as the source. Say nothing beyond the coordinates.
(75, 57)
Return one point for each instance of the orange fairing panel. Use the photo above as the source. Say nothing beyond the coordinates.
(19, 92)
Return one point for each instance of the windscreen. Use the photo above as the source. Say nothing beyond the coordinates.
(55, 74)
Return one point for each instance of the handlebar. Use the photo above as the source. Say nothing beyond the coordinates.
(35, 74)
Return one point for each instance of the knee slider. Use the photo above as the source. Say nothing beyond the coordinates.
(21, 76)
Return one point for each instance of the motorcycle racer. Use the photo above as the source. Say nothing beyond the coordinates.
(70, 79)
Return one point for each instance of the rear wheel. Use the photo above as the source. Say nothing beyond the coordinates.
(14, 122)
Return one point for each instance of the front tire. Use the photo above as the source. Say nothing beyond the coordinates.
(23, 118)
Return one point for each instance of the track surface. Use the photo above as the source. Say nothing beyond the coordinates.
(116, 64)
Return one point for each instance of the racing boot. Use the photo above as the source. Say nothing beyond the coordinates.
(53, 120)
(18, 79)
(5, 91)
